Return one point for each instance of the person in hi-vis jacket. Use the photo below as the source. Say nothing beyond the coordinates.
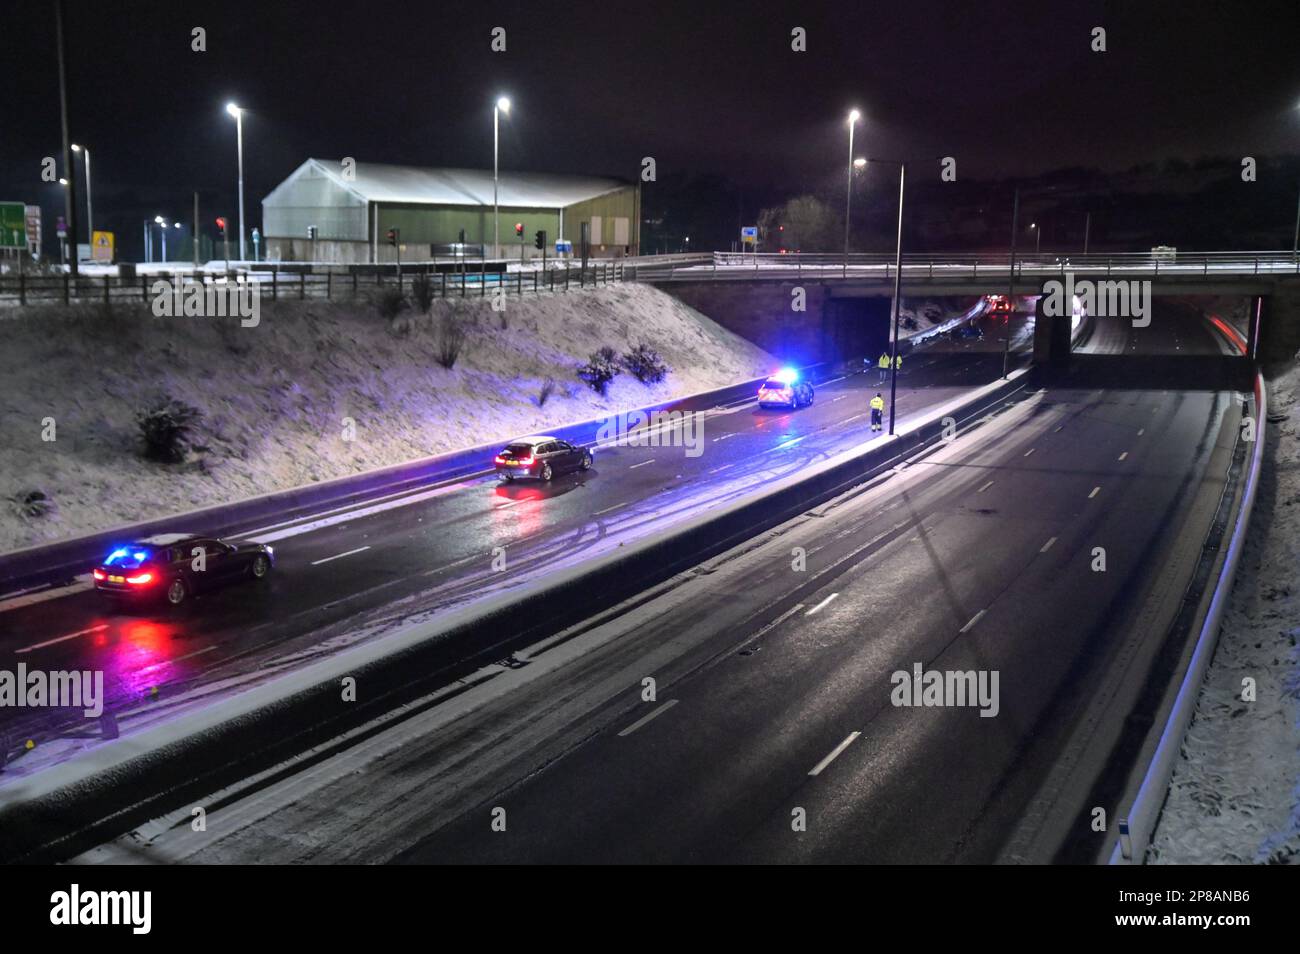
(877, 412)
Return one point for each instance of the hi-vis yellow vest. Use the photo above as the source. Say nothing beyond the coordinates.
(884, 361)
(877, 404)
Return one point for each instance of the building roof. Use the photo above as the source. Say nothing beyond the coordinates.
(378, 182)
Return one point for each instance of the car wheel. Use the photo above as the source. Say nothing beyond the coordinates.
(260, 567)
(546, 472)
(586, 462)
(812, 396)
(177, 591)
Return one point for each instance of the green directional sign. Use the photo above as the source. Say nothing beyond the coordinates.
(13, 225)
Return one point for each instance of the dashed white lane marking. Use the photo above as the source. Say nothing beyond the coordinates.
(1058, 430)
(63, 639)
(1123, 455)
(823, 603)
(853, 418)
(723, 437)
(608, 509)
(168, 662)
(646, 718)
(504, 505)
(973, 620)
(985, 487)
(1095, 492)
(835, 753)
(1141, 431)
(1047, 546)
(642, 464)
(1028, 452)
(790, 443)
(339, 556)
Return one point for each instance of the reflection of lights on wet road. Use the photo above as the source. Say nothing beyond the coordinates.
(789, 443)
(518, 511)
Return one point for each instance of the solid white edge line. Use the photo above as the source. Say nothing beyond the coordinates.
(973, 620)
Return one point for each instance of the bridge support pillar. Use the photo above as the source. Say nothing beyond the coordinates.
(1051, 338)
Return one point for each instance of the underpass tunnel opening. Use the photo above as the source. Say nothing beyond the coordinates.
(1188, 341)
(860, 326)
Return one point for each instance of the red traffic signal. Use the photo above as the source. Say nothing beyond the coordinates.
(392, 237)
(519, 229)
(221, 224)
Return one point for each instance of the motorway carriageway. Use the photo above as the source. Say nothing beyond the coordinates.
(773, 687)
(346, 576)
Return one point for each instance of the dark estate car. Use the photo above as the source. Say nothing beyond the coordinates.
(171, 566)
(541, 457)
(785, 389)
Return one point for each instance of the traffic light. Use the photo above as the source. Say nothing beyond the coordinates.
(393, 235)
(311, 232)
(221, 225)
(539, 241)
(519, 230)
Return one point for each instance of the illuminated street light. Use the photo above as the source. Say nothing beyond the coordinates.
(854, 116)
(90, 218)
(502, 106)
(238, 113)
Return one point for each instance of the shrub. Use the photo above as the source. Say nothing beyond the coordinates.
(645, 364)
(422, 292)
(451, 339)
(545, 391)
(389, 302)
(601, 368)
(167, 430)
(33, 504)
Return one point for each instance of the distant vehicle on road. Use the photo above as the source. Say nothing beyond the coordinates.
(999, 304)
(541, 458)
(172, 566)
(785, 389)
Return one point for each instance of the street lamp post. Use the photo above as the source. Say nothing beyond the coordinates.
(898, 287)
(238, 113)
(90, 218)
(162, 230)
(854, 116)
(502, 106)
(1038, 237)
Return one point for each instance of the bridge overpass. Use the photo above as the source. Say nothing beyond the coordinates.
(752, 293)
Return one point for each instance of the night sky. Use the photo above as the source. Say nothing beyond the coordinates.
(1009, 89)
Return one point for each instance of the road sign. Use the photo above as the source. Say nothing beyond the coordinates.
(60, 227)
(13, 225)
(749, 234)
(34, 228)
(102, 247)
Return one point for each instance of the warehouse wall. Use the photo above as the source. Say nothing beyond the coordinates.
(314, 199)
(615, 213)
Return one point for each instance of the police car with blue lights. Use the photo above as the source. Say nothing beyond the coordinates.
(786, 388)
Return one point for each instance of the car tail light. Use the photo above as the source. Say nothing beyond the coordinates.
(98, 573)
(499, 459)
(526, 461)
(140, 580)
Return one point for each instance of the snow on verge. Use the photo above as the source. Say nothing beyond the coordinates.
(275, 398)
(1235, 793)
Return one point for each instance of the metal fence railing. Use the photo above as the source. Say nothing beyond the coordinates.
(305, 283)
(750, 266)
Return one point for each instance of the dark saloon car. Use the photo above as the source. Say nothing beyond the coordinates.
(541, 458)
(172, 566)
